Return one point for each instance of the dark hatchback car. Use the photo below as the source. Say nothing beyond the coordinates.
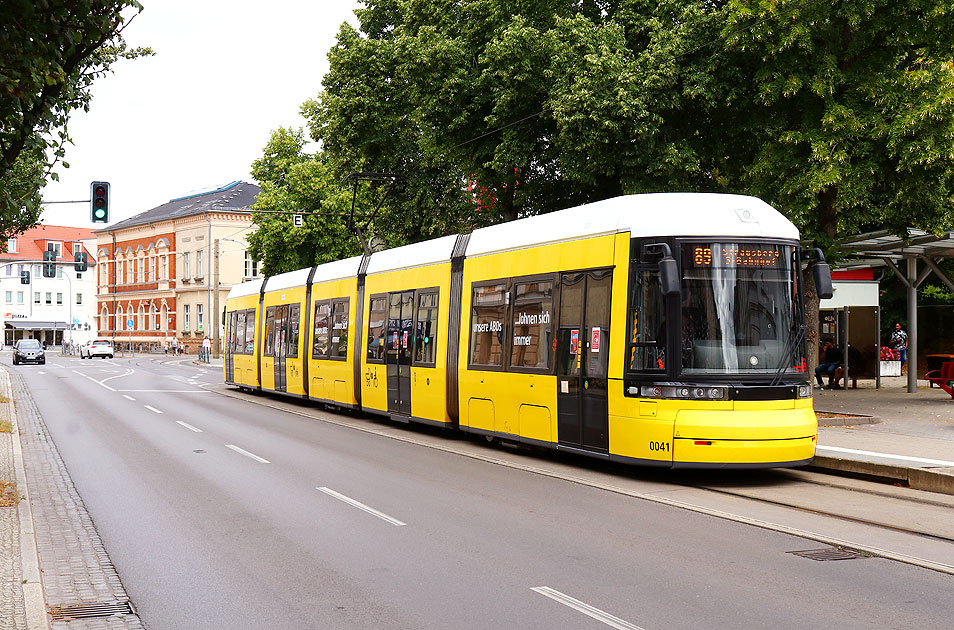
(28, 351)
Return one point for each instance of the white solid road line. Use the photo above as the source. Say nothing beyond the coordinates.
(152, 408)
(907, 458)
(247, 454)
(128, 397)
(188, 426)
(586, 609)
(361, 506)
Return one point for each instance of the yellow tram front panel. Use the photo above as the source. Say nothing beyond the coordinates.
(521, 403)
(751, 432)
(245, 360)
(294, 365)
(331, 379)
(427, 380)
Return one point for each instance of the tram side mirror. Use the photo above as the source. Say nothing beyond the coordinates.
(668, 276)
(823, 284)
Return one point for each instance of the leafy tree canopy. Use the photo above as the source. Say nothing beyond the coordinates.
(51, 51)
(838, 113)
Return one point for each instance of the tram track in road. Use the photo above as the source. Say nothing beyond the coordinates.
(941, 537)
(817, 522)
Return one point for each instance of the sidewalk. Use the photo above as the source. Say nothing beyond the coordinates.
(888, 434)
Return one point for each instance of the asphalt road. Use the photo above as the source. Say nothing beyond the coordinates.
(220, 513)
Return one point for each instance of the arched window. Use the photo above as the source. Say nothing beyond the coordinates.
(120, 322)
(105, 323)
(164, 321)
(141, 323)
(155, 318)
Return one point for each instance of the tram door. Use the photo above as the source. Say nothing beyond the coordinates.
(280, 348)
(582, 359)
(400, 338)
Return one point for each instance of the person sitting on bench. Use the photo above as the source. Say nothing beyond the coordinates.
(831, 359)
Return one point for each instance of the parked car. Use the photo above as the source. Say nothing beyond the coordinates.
(97, 348)
(28, 351)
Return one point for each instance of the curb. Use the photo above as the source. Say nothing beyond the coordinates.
(845, 420)
(34, 599)
(940, 480)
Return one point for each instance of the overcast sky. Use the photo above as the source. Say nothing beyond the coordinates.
(195, 115)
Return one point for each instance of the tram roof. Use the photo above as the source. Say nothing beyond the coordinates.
(655, 214)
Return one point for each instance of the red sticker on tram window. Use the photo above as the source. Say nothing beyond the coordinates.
(404, 341)
(595, 340)
(575, 341)
(395, 341)
(554, 345)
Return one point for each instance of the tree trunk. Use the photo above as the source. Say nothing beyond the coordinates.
(827, 228)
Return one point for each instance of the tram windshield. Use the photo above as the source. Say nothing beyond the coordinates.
(739, 309)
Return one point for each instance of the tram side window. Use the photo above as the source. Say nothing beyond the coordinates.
(339, 329)
(425, 338)
(249, 333)
(532, 325)
(376, 328)
(647, 321)
(292, 317)
(322, 317)
(278, 343)
(488, 315)
(237, 332)
(269, 331)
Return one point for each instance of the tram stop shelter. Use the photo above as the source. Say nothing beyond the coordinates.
(913, 257)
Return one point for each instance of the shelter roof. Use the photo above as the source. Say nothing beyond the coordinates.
(873, 248)
(235, 197)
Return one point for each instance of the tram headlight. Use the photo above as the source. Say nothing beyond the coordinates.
(650, 391)
(682, 392)
(804, 391)
(698, 392)
(716, 393)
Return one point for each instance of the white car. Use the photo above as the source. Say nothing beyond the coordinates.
(97, 348)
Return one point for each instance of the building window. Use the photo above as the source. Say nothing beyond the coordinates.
(120, 323)
(251, 266)
(56, 247)
(59, 298)
(79, 298)
(165, 268)
(49, 297)
(19, 297)
(9, 297)
(187, 321)
(198, 317)
(187, 265)
(36, 297)
(9, 270)
(12, 245)
(199, 256)
(59, 271)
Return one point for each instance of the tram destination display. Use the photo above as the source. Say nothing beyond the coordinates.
(735, 256)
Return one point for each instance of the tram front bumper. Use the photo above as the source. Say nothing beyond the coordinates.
(744, 438)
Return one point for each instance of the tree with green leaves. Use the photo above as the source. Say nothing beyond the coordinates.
(51, 52)
(294, 181)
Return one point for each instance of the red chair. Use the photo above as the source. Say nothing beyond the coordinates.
(943, 377)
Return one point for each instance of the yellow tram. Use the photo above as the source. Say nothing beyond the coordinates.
(658, 329)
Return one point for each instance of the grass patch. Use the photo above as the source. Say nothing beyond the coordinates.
(9, 496)
(6, 426)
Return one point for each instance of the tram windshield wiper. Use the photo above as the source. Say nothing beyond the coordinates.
(789, 354)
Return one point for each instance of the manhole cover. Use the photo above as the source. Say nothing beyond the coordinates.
(830, 553)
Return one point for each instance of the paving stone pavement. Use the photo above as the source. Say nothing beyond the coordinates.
(73, 561)
(12, 608)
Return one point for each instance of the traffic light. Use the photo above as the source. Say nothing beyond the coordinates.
(79, 258)
(49, 264)
(99, 202)
(24, 277)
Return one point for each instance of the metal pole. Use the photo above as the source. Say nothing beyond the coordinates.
(912, 325)
(878, 340)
